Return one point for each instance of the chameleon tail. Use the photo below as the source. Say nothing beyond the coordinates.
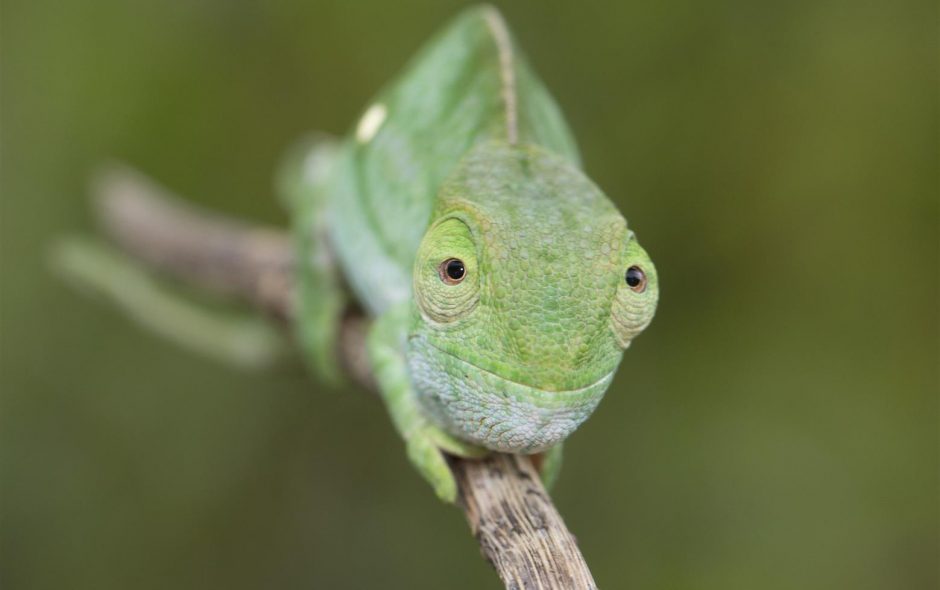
(242, 340)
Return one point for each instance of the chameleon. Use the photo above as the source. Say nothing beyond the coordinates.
(502, 284)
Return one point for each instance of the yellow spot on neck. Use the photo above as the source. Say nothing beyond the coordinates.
(370, 122)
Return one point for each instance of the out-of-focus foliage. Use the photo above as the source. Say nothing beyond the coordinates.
(774, 428)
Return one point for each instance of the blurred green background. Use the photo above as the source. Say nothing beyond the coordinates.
(776, 427)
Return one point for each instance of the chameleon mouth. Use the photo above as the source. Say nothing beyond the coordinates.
(574, 391)
(496, 412)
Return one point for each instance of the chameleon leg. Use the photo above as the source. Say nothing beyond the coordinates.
(321, 299)
(423, 440)
(551, 466)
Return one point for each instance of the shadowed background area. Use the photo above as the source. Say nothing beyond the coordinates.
(774, 428)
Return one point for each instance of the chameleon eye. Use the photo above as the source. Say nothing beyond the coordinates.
(636, 279)
(452, 271)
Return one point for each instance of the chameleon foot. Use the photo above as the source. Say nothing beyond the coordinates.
(426, 448)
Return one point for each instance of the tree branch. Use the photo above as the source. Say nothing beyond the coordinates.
(512, 516)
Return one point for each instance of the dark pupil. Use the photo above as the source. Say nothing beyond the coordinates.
(634, 276)
(455, 269)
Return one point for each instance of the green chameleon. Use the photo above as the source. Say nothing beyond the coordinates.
(504, 284)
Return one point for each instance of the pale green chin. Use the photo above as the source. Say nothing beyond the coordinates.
(491, 411)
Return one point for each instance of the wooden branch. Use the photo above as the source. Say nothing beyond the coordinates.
(519, 530)
(512, 516)
(212, 252)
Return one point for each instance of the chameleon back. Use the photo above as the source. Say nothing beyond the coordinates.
(467, 86)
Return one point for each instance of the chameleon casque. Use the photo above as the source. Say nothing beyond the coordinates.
(503, 284)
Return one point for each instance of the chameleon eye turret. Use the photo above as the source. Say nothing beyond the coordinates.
(637, 296)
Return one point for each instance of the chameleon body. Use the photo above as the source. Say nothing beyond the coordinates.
(503, 284)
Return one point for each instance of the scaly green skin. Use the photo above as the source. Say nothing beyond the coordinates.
(467, 157)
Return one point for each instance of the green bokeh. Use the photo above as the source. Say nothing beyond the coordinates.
(774, 428)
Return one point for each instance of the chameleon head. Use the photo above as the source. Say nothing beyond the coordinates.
(528, 287)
